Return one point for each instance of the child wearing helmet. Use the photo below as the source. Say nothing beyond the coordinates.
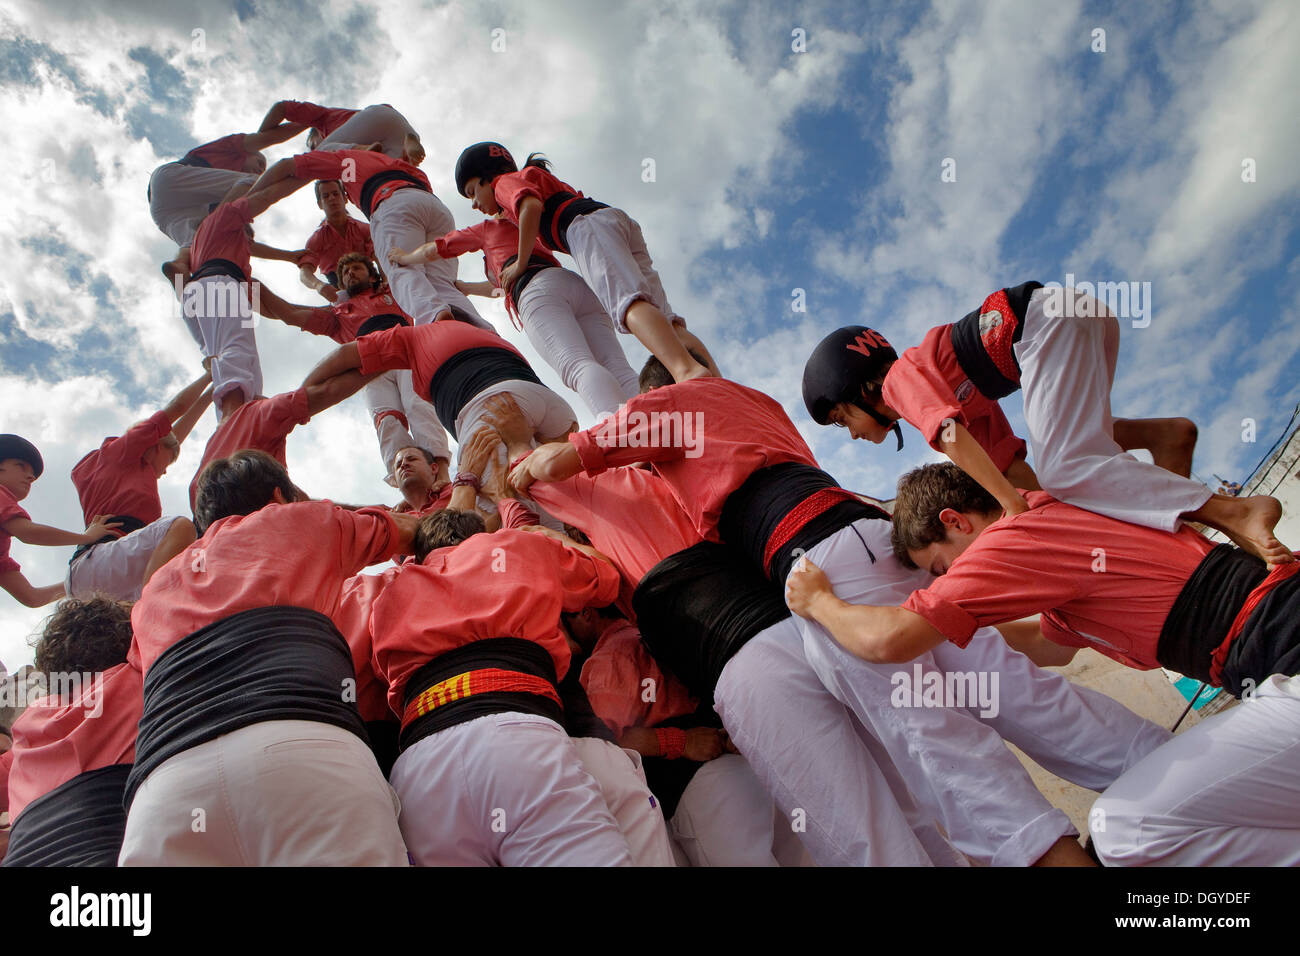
(1064, 360)
(605, 243)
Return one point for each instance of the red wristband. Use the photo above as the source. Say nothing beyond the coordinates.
(672, 742)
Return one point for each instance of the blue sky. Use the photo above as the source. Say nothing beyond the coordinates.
(775, 170)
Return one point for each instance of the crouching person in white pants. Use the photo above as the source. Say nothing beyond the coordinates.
(251, 751)
(469, 640)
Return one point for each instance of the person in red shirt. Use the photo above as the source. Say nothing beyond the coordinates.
(336, 236)
(74, 748)
(183, 192)
(755, 485)
(282, 775)
(605, 243)
(20, 466)
(335, 128)
(120, 478)
(401, 418)
(473, 657)
(403, 212)
(1064, 359)
(556, 310)
(1212, 612)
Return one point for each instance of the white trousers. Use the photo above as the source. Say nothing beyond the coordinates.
(958, 768)
(726, 817)
(407, 219)
(116, 568)
(621, 778)
(180, 197)
(277, 793)
(223, 325)
(402, 418)
(1067, 366)
(1224, 793)
(374, 124)
(610, 253)
(504, 790)
(572, 332)
(835, 789)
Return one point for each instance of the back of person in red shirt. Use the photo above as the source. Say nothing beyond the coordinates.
(73, 749)
(473, 658)
(20, 466)
(336, 236)
(605, 243)
(556, 310)
(1144, 597)
(339, 128)
(120, 478)
(246, 710)
(402, 419)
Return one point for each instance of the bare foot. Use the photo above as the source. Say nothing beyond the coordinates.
(1249, 522)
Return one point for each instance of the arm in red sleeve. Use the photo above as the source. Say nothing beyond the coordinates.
(382, 351)
(461, 241)
(318, 164)
(515, 515)
(585, 581)
(630, 436)
(139, 438)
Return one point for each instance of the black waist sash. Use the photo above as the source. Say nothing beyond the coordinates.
(1202, 616)
(754, 511)
(129, 524)
(78, 823)
(218, 267)
(506, 653)
(467, 373)
(196, 161)
(558, 211)
(379, 322)
(968, 345)
(378, 180)
(698, 607)
(535, 265)
(270, 663)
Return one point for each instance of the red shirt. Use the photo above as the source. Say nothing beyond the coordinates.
(222, 236)
(9, 509)
(359, 594)
(263, 424)
(433, 503)
(515, 516)
(615, 677)
(460, 595)
(225, 153)
(926, 386)
(499, 240)
(1098, 582)
(629, 514)
(296, 554)
(423, 349)
(54, 741)
(341, 320)
(744, 430)
(327, 245)
(323, 118)
(510, 189)
(358, 165)
(112, 480)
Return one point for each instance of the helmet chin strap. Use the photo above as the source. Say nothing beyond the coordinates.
(883, 422)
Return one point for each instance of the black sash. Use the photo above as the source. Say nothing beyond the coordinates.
(558, 211)
(78, 823)
(269, 663)
(373, 184)
(129, 524)
(506, 653)
(535, 265)
(379, 322)
(968, 345)
(467, 373)
(218, 267)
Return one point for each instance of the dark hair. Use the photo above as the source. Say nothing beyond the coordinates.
(428, 455)
(239, 485)
(538, 160)
(445, 528)
(85, 636)
(321, 182)
(922, 494)
(654, 374)
(350, 257)
(577, 534)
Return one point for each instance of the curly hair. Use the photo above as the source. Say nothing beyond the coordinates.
(85, 636)
(922, 494)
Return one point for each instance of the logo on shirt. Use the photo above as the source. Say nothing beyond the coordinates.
(989, 321)
(965, 390)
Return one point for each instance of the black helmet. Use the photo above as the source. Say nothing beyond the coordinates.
(484, 160)
(12, 446)
(838, 368)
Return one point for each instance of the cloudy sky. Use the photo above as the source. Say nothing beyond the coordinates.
(895, 163)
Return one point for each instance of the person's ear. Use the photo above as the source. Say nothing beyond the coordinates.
(955, 521)
(278, 497)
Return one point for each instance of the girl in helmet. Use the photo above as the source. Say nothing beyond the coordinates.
(1064, 359)
(605, 243)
